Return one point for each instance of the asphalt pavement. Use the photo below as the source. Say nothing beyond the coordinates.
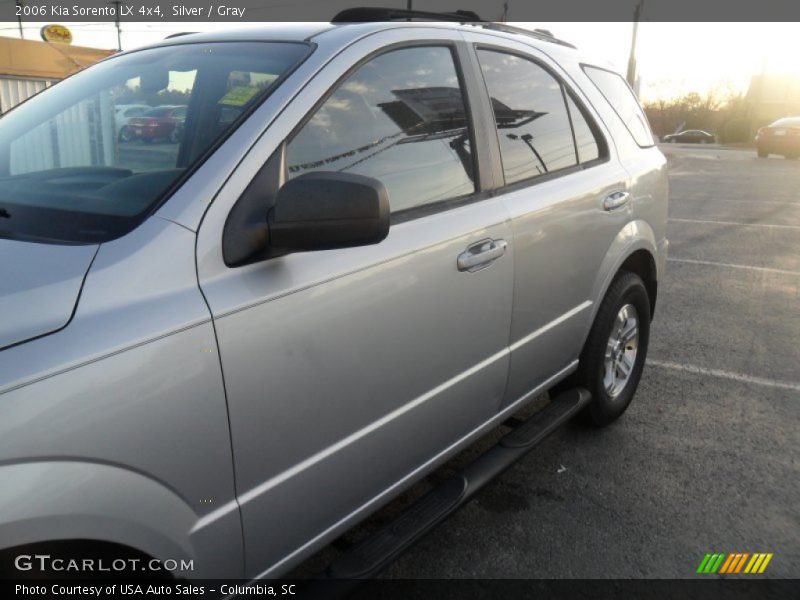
(707, 457)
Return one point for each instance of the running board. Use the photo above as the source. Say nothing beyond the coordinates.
(369, 557)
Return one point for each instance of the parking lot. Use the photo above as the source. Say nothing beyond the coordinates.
(707, 458)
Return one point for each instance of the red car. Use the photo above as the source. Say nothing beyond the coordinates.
(159, 123)
(781, 137)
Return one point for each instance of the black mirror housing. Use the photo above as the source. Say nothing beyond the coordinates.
(325, 210)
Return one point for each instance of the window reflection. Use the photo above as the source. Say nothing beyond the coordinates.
(400, 119)
(531, 115)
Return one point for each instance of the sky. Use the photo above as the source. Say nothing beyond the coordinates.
(673, 58)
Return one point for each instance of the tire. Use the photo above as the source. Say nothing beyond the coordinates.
(125, 134)
(762, 153)
(626, 297)
(174, 136)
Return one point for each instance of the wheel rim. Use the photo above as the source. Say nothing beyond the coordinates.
(621, 350)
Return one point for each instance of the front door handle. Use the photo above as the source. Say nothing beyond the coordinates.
(616, 200)
(481, 254)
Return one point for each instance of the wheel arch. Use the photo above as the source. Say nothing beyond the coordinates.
(77, 548)
(643, 263)
(91, 505)
(634, 249)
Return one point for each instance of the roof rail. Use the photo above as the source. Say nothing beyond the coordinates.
(179, 34)
(367, 14)
(539, 34)
(371, 14)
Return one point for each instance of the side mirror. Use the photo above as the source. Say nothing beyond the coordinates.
(325, 210)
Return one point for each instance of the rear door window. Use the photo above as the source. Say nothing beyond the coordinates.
(399, 118)
(530, 111)
(588, 142)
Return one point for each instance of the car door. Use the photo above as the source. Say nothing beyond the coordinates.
(347, 371)
(568, 201)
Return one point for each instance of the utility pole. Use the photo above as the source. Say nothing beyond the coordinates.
(637, 15)
(118, 5)
(505, 12)
(20, 4)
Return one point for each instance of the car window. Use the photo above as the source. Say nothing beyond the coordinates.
(531, 116)
(586, 140)
(620, 96)
(71, 172)
(399, 118)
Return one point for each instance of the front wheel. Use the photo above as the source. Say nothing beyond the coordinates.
(613, 358)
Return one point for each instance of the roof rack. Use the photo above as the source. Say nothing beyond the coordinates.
(372, 14)
(369, 14)
(539, 34)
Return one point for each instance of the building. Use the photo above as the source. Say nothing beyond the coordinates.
(28, 66)
(771, 97)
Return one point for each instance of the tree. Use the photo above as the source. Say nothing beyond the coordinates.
(721, 111)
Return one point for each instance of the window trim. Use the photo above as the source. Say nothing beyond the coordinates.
(423, 210)
(603, 150)
(585, 66)
(604, 154)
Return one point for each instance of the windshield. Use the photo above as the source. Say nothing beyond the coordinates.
(77, 168)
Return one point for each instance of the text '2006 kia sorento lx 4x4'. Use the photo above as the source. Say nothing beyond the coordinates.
(370, 244)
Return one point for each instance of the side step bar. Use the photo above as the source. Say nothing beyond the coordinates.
(369, 557)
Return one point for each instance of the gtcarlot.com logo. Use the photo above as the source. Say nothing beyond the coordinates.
(46, 564)
(734, 563)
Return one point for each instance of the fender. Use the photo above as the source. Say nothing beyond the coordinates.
(60, 499)
(635, 235)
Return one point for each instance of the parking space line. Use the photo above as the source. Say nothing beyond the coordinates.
(773, 383)
(767, 225)
(733, 266)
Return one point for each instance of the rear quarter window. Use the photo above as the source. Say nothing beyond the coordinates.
(620, 96)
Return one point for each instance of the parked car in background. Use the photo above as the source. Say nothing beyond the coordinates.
(159, 123)
(366, 254)
(123, 114)
(781, 137)
(690, 136)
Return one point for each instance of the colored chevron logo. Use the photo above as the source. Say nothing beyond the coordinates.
(734, 563)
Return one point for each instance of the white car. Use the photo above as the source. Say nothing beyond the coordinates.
(123, 113)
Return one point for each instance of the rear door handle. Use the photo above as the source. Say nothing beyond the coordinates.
(616, 200)
(481, 254)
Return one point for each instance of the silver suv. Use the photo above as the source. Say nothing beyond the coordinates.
(370, 244)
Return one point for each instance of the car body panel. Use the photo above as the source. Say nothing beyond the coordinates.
(449, 328)
(258, 412)
(552, 307)
(133, 382)
(37, 301)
